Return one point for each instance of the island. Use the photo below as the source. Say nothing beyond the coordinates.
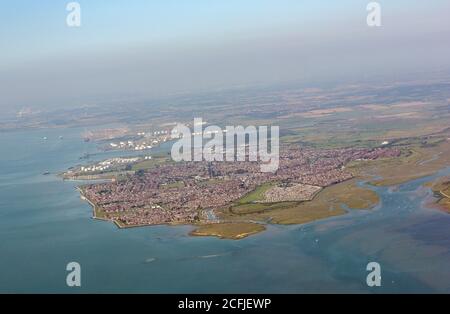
(337, 146)
(233, 199)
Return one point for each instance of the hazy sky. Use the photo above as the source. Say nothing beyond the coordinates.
(160, 47)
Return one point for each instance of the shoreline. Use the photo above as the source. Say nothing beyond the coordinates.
(220, 224)
(93, 205)
(94, 215)
(198, 232)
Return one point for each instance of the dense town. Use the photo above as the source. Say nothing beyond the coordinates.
(182, 192)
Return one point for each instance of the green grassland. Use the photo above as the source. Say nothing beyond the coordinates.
(257, 194)
(151, 163)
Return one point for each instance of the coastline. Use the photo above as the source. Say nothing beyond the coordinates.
(94, 206)
(236, 229)
(235, 219)
(95, 216)
(239, 229)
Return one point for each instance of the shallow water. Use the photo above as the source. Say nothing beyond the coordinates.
(44, 225)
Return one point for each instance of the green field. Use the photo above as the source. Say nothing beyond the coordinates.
(257, 194)
(151, 163)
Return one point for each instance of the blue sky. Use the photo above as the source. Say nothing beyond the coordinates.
(32, 29)
(165, 46)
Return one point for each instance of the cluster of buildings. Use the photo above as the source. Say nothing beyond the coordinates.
(154, 197)
(153, 133)
(145, 140)
(290, 193)
(131, 145)
(109, 163)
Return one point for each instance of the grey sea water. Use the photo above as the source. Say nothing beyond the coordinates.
(44, 225)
